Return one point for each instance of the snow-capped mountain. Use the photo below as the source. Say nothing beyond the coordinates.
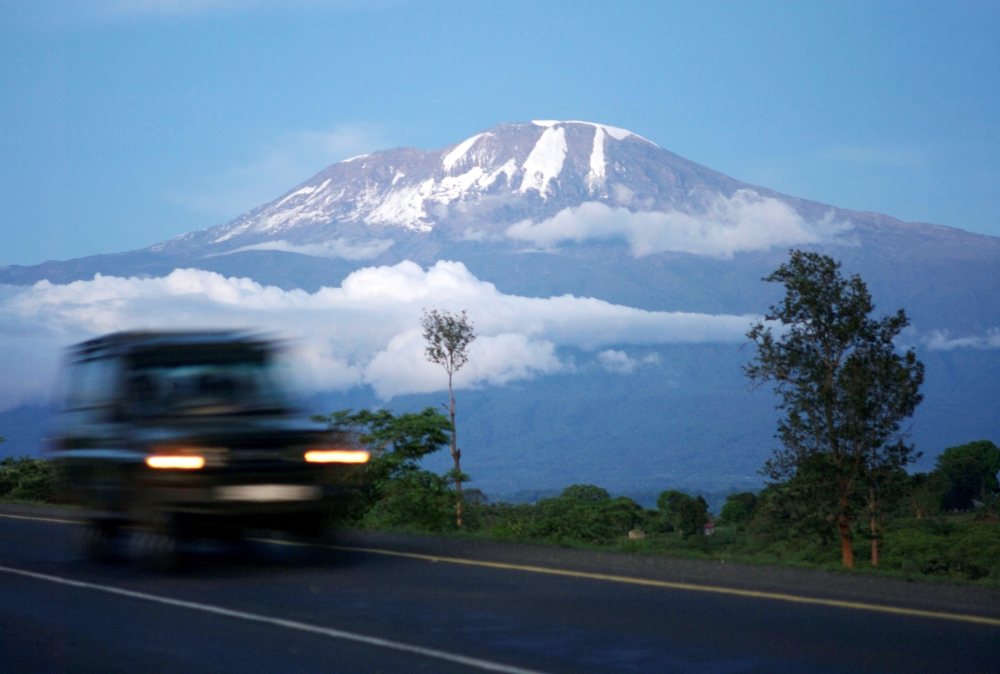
(501, 183)
(534, 169)
(616, 216)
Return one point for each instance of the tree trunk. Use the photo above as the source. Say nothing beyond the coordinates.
(874, 525)
(875, 540)
(846, 541)
(455, 454)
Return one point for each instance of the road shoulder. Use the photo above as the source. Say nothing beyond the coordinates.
(810, 583)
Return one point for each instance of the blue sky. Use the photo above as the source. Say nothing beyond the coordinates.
(126, 122)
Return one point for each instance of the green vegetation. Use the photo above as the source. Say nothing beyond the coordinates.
(970, 473)
(684, 514)
(396, 491)
(776, 526)
(844, 393)
(26, 479)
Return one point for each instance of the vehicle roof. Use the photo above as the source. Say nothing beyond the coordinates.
(124, 343)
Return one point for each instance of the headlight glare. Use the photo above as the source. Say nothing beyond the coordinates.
(337, 456)
(176, 461)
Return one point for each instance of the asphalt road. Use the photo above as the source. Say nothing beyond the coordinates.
(280, 608)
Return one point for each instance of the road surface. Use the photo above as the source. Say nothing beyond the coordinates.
(410, 604)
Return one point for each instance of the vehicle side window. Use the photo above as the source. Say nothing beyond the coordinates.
(92, 383)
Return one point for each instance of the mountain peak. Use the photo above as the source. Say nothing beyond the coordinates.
(491, 179)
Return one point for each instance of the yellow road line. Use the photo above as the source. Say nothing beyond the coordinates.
(632, 580)
(693, 587)
(40, 519)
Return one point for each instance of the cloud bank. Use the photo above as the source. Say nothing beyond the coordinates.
(365, 332)
(744, 222)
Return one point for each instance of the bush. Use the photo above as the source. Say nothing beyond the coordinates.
(420, 500)
(684, 513)
(26, 479)
(955, 547)
(581, 514)
(739, 508)
(969, 473)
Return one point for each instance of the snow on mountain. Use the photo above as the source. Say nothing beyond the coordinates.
(486, 183)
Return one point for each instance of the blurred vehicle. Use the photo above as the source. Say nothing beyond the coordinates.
(191, 435)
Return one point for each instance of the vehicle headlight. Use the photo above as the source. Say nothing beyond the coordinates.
(181, 457)
(337, 456)
(176, 461)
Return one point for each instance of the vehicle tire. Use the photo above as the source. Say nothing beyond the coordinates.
(156, 550)
(311, 529)
(98, 541)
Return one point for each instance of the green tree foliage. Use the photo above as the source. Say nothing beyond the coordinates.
(968, 473)
(738, 508)
(580, 514)
(396, 491)
(844, 391)
(448, 337)
(922, 494)
(684, 513)
(26, 479)
(589, 493)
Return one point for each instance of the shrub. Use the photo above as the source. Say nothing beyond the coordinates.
(969, 472)
(684, 513)
(739, 508)
(581, 514)
(26, 479)
(418, 500)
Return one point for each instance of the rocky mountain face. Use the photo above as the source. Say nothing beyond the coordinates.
(548, 208)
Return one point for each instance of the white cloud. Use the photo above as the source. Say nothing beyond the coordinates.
(363, 332)
(616, 361)
(288, 161)
(744, 222)
(337, 248)
(939, 340)
(620, 362)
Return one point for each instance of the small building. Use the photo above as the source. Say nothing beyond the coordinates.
(708, 528)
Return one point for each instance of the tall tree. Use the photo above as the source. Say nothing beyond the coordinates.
(969, 473)
(448, 338)
(844, 391)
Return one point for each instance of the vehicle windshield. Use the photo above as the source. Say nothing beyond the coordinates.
(225, 386)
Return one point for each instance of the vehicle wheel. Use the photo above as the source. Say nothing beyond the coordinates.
(98, 541)
(158, 550)
(311, 529)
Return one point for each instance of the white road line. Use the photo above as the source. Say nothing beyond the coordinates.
(476, 663)
(673, 585)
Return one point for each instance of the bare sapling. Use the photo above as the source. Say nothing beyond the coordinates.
(448, 338)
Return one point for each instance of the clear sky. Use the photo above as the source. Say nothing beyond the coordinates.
(126, 122)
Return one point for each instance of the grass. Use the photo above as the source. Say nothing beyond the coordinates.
(954, 548)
